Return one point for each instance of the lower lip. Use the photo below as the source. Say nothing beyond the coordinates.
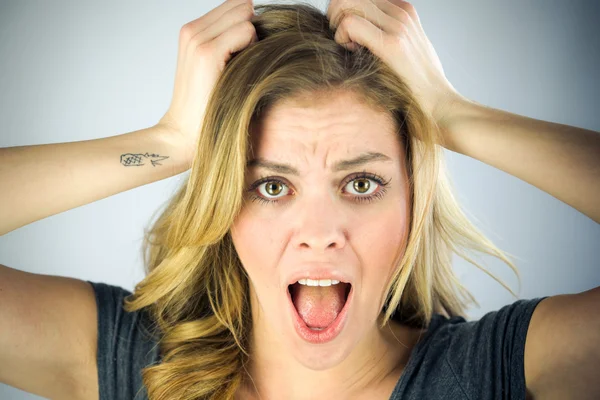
(325, 335)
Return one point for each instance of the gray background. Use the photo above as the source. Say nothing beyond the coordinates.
(72, 71)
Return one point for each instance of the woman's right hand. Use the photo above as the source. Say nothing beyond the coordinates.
(205, 46)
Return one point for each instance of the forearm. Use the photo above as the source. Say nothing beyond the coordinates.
(42, 180)
(561, 160)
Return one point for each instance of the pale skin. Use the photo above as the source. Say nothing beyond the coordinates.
(524, 147)
(366, 362)
(559, 159)
(316, 218)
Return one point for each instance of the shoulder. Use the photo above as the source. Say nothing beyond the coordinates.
(462, 359)
(562, 352)
(488, 355)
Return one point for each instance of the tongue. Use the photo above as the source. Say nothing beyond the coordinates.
(318, 306)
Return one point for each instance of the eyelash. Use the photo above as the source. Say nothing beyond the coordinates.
(358, 199)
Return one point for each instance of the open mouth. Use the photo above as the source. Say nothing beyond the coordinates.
(319, 310)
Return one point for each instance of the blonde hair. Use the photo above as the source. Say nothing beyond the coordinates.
(196, 289)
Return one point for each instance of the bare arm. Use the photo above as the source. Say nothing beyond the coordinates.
(49, 324)
(42, 180)
(562, 350)
(561, 160)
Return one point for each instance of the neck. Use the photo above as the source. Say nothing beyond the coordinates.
(373, 367)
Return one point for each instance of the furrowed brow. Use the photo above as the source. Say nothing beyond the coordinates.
(342, 165)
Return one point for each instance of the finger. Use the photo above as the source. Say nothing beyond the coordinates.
(235, 39)
(363, 8)
(199, 24)
(409, 8)
(338, 8)
(381, 13)
(399, 10)
(242, 12)
(354, 28)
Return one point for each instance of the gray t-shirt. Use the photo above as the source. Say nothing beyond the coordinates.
(455, 359)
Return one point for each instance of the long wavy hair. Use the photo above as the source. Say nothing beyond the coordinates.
(196, 290)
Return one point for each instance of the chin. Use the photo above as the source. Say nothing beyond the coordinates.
(319, 357)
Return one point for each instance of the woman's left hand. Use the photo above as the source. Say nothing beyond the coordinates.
(391, 30)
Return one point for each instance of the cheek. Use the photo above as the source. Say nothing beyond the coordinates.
(381, 243)
(255, 246)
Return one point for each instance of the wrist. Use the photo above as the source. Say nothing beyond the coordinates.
(175, 145)
(451, 115)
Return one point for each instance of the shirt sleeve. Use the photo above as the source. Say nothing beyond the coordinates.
(487, 356)
(125, 345)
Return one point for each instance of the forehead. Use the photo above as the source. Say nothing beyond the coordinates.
(340, 122)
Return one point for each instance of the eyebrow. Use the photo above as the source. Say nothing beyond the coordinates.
(342, 165)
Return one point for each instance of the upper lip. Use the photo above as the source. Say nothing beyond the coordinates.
(319, 271)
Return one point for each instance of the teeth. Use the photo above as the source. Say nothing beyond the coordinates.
(318, 282)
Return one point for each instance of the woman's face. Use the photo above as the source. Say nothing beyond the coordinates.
(322, 217)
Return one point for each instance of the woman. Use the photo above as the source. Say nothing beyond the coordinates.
(309, 253)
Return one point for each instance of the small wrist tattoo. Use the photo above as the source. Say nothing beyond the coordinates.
(137, 160)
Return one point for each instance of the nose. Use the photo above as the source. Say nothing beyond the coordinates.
(320, 225)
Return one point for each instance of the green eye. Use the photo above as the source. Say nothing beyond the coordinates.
(274, 188)
(361, 183)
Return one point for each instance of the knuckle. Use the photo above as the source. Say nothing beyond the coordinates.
(248, 27)
(346, 18)
(400, 41)
(409, 8)
(239, 3)
(339, 16)
(390, 41)
(404, 16)
(186, 32)
(202, 50)
(246, 10)
(402, 29)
